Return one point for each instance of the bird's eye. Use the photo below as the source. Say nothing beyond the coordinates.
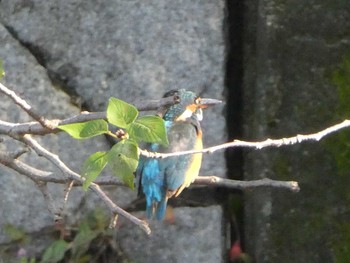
(197, 100)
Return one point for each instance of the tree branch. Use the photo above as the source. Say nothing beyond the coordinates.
(49, 200)
(41, 151)
(243, 185)
(257, 145)
(26, 107)
(48, 177)
(44, 126)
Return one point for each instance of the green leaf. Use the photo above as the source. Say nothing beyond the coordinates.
(15, 233)
(82, 240)
(27, 260)
(149, 129)
(83, 130)
(98, 219)
(123, 159)
(2, 71)
(120, 113)
(55, 252)
(92, 167)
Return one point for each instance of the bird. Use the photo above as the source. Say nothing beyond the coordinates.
(163, 178)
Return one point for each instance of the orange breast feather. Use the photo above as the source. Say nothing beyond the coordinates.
(195, 165)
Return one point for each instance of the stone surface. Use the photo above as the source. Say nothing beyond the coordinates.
(203, 244)
(128, 49)
(21, 202)
(291, 50)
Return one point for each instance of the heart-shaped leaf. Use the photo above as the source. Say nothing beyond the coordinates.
(149, 129)
(92, 167)
(83, 130)
(120, 113)
(123, 159)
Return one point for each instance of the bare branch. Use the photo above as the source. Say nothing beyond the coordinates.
(67, 190)
(39, 177)
(34, 174)
(38, 128)
(53, 158)
(26, 107)
(113, 222)
(48, 177)
(237, 184)
(34, 128)
(257, 145)
(43, 126)
(17, 153)
(49, 200)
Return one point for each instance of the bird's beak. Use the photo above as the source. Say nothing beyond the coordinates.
(205, 103)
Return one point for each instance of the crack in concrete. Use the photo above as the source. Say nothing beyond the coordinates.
(58, 80)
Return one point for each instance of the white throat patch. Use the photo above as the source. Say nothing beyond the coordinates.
(199, 114)
(188, 114)
(185, 115)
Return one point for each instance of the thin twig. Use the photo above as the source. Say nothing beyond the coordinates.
(49, 200)
(53, 158)
(67, 190)
(114, 220)
(44, 126)
(257, 145)
(26, 107)
(9, 159)
(36, 128)
(17, 153)
(34, 174)
(48, 177)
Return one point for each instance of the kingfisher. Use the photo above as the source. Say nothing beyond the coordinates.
(163, 178)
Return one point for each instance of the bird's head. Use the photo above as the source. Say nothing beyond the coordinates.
(190, 106)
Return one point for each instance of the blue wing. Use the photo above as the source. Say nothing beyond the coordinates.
(152, 182)
(182, 137)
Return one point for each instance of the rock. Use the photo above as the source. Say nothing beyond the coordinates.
(291, 50)
(126, 49)
(22, 204)
(203, 244)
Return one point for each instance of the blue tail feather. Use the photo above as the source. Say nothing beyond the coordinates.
(149, 211)
(152, 185)
(161, 209)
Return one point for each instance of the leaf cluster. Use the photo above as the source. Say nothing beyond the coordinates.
(123, 157)
(92, 232)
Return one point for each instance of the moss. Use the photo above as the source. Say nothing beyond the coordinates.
(341, 248)
(341, 79)
(281, 167)
(321, 218)
(339, 147)
(339, 144)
